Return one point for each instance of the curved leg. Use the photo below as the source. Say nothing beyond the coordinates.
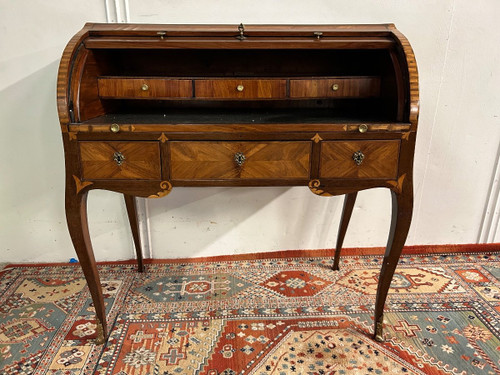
(76, 217)
(130, 203)
(349, 201)
(402, 208)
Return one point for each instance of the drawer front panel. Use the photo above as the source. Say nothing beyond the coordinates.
(145, 88)
(240, 88)
(375, 159)
(258, 160)
(120, 160)
(335, 88)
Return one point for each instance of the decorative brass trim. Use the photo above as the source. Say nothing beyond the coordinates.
(318, 34)
(358, 157)
(100, 339)
(241, 31)
(314, 187)
(406, 136)
(379, 330)
(72, 136)
(397, 186)
(166, 186)
(163, 138)
(81, 185)
(316, 138)
(119, 158)
(239, 158)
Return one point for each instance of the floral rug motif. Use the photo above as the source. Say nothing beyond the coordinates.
(285, 315)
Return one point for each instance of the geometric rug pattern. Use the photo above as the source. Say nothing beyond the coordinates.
(285, 315)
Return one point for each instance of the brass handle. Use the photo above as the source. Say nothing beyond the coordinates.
(318, 34)
(115, 128)
(363, 128)
(335, 87)
(118, 157)
(145, 87)
(358, 157)
(240, 88)
(239, 158)
(162, 34)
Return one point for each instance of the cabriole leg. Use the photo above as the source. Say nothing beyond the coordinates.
(76, 217)
(402, 207)
(130, 203)
(349, 201)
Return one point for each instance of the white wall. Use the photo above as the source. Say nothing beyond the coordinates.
(456, 43)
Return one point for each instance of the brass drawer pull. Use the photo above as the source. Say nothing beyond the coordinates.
(335, 87)
(144, 87)
(363, 128)
(358, 157)
(118, 157)
(115, 128)
(240, 88)
(239, 158)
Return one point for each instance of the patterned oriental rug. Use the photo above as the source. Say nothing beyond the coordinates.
(286, 313)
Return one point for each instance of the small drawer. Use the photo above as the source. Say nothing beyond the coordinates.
(240, 160)
(240, 88)
(120, 160)
(359, 159)
(335, 87)
(137, 88)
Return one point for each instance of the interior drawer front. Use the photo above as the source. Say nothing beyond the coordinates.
(120, 160)
(335, 87)
(240, 88)
(145, 88)
(379, 159)
(218, 160)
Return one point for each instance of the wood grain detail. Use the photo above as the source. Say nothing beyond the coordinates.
(380, 159)
(263, 160)
(345, 88)
(251, 88)
(111, 87)
(142, 160)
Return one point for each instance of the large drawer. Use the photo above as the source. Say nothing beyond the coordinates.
(240, 160)
(341, 87)
(136, 88)
(359, 159)
(120, 160)
(240, 88)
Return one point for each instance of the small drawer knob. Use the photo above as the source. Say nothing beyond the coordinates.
(240, 88)
(335, 87)
(363, 128)
(239, 158)
(144, 87)
(115, 128)
(118, 157)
